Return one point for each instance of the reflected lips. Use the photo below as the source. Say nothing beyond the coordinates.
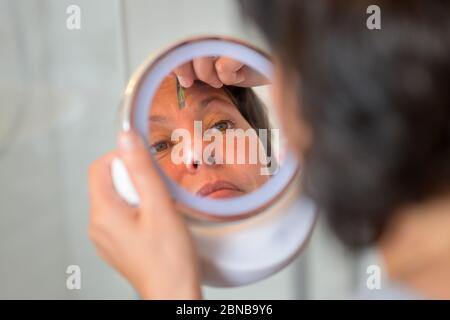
(219, 189)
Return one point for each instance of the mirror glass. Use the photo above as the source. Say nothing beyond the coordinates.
(212, 128)
(204, 109)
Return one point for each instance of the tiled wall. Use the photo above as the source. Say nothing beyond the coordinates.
(59, 91)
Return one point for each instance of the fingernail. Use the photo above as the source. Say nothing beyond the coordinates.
(185, 82)
(239, 77)
(126, 141)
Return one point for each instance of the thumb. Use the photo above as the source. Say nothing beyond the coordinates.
(136, 157)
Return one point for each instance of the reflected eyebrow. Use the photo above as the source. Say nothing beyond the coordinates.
(158, 118)
(204, 103)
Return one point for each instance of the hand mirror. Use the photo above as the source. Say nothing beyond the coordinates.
(203, 107)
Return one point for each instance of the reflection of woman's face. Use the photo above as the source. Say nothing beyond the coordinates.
(215, 110)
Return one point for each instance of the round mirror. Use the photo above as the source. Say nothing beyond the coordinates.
(203, 107)
(204, 110)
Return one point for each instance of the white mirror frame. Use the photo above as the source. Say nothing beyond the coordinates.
(137, 103)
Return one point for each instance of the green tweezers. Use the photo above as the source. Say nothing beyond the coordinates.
(180, 95)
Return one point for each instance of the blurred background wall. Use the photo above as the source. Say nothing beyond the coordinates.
(59, 93)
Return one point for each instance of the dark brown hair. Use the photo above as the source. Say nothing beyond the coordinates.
(378, 102)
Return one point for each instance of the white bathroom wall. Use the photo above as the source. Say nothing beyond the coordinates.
(152, 25)
(59, 92)
(64, 87)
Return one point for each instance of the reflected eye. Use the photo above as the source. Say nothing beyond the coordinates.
(159, 147)
(223, 125)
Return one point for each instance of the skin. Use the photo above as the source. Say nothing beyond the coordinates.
(216, 111)
(217, 71)
(416, 247)
(149, 245)
(153, 249)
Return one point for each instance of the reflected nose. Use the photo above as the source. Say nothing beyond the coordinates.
(193, 161)
(193, 166)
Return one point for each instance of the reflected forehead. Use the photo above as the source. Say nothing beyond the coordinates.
(198, 96)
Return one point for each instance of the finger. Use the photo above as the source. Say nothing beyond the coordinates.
(251, 78)
(101, 188)
(185, 74)
(206, 72)
(136, 157)
(228, 69)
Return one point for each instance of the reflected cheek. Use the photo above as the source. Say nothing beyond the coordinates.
(235, 150)
(172, 170)
(178, 173)
(246, 176)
